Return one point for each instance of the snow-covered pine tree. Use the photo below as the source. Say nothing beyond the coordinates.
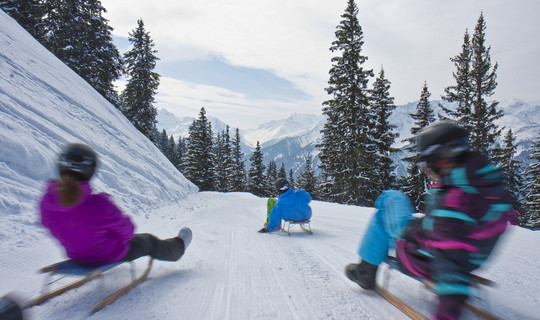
(238, 179)
(162, 140)
(505, 157)
(198, 164)
(78, 34)
(531, 216)
(415, 183)
(257, 178)
(28, 13)
(271, 176)
(180, 152)
(171, 150)
(292, 182)
(220, 180)
(382, 105)
(282, 173)
(224, 165)
(347, 149)
(142, 83)
(484, 132)
(461, 93)
(307, 179)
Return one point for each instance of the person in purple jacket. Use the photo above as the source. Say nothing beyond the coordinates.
(91, 228)
(467, 211)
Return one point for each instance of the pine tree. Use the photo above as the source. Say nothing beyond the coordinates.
(484, 131)
(171, 150)
(198, 163)
(531, 216)
(476, 80)
(383, 105)
(257, 178)
(138, 95)
(28, 13)
(307, 179)
(292, 182)
(461, 93)
(271, 176)
(220, 180)
(416, 182)
(238, 180)
(347, 148)
(224, 165)
(282, 173)
(162, 141)
(505, 157)
(78, 34)
(180, 152)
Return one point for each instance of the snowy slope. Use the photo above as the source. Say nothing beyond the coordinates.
(230, 271)
(43, 105)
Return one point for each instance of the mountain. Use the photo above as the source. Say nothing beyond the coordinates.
(179, 127)
(290, 141)
(270, 133)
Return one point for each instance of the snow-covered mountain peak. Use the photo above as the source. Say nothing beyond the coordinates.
(296, 124)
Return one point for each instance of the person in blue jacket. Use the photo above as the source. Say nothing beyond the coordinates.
(291, 205)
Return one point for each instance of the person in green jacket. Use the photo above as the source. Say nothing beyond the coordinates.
(269, 206)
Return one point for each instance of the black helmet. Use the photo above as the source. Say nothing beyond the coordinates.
(444, 140)
(78, 160)
(281, 185)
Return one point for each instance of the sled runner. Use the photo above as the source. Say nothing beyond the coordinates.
(304, 225)
(413, 314)
(69, 268)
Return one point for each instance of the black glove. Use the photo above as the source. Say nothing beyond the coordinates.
(264, 230)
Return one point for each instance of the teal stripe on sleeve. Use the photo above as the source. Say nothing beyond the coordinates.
(495, 211)
(442, 213)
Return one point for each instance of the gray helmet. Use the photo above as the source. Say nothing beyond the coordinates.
(444, 140)
(281, 185)
(78, 160)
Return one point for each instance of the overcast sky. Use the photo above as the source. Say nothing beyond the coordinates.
(248, 62)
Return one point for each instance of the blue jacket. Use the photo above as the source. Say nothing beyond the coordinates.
(291, 205)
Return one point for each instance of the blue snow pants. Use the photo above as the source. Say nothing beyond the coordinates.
(394, 212)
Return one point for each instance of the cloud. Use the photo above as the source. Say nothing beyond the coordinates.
(186, 99)
(288, 41)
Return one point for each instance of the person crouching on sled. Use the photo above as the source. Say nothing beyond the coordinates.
(90, 227)
(467, 211)
(291, 205)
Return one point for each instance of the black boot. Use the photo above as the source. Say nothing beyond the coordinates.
(364, 274)
(10, 310)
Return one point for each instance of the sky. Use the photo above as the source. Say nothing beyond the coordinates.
(248, 62)
(229, 271)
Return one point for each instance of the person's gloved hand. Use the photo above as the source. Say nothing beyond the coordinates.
(264, 230)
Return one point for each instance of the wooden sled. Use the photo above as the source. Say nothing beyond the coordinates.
(304, 225)
(413, 314)
(69, 268)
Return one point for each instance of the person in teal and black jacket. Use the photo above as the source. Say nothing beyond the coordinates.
(291, 205)
(467, 211)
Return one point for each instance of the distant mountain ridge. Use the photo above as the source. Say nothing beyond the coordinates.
(290, 141)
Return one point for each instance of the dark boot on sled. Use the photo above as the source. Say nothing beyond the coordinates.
(10, 309)
(364, 274)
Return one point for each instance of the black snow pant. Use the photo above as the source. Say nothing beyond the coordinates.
(145, 244)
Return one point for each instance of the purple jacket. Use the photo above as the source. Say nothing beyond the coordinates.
(93, 232)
